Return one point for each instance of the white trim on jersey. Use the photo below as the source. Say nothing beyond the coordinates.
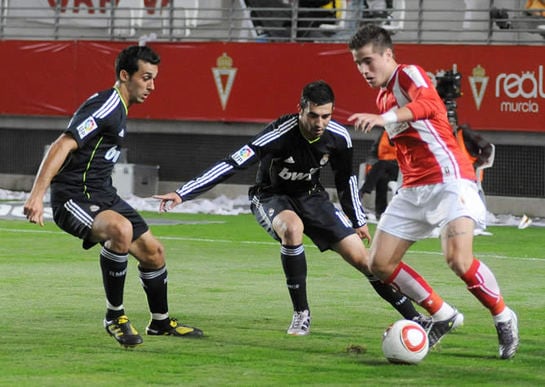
(427, 132)
(341, 131)
(442, 154)
(79, 213)
(108, 106)
(399, 95)
(415, 75)
(274, 134)
(211, 175)
(356, 203)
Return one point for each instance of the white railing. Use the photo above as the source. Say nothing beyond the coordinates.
(412, 21)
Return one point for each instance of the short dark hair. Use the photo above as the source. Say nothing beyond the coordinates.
(370, 33)
(317, 92)
(128, 59)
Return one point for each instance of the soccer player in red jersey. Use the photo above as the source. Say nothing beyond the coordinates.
(439, 190)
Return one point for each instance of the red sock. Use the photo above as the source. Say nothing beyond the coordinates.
(411, 284)
(482, 284)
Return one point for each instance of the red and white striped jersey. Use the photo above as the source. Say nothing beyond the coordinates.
(426, 149)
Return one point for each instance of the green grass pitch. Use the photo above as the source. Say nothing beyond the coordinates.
(225, 277)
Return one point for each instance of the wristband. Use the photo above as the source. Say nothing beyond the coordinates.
(389, 117)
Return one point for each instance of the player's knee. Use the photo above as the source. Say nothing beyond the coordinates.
(380, 268)
(359, 258)
(363, 266)
(293, 231)
(459, 263)
(120, 233)
(159, 255)
(289, 230)
(153, 256)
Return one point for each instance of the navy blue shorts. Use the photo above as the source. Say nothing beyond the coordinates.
(76, 217)
(324, 223)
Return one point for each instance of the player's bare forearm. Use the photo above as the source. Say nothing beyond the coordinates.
(168, 201)
(51, 163)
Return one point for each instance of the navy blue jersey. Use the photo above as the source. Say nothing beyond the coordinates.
(289, 164)
(99, 127)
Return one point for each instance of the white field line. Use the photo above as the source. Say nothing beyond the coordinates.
(271, 243)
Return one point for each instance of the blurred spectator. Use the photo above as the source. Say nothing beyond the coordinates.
(378, 9)
(474, 145)
(531, 20)
(273, 18)
(381, 169)
(310, 20)
(384, 13)
(535, 8)
(477, 149)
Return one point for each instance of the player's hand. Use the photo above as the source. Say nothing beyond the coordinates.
(365, 122)
(364, 234)
(34, 210)
(168, 201)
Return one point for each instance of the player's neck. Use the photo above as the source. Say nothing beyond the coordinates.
(123, 93)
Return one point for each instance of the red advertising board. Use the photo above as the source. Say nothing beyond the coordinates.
(503, 86)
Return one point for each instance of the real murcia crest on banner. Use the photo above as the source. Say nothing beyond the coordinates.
(224, 77)
(478, 82)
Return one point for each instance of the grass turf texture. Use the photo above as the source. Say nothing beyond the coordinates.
(225, 277)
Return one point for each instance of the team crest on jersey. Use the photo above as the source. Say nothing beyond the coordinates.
(86, 127)
(271, 212)
(243, 154)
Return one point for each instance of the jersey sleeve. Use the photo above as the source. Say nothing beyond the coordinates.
(424, 102)
(94, 117)
(346, 183)
(241, 159)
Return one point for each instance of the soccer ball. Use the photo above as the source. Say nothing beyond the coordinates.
(405, 342)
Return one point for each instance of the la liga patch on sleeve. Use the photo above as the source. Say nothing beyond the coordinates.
(242, 155)
(86, 127)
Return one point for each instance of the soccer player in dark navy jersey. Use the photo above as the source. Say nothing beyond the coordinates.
(78, 168)
(288, 199)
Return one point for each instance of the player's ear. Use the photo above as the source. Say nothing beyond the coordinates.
(124, 76)
(388, 53)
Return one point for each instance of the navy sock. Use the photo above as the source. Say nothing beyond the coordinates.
(295, 268)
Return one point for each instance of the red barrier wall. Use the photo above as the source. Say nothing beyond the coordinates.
(503, 86)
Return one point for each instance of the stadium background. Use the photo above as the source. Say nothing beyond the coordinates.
(184, 127)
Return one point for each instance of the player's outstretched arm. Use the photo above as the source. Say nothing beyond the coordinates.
(168, 201)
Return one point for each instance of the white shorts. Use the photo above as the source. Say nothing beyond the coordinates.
(415, 212)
